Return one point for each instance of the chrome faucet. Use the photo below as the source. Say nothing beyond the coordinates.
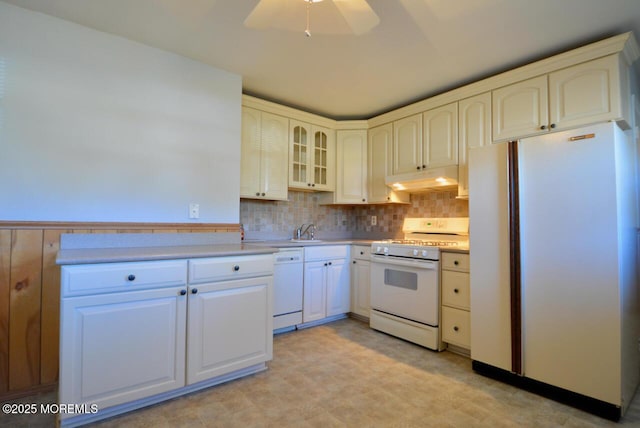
(301, 231)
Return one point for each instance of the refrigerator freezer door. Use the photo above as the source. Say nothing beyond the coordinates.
(568, 235)
(489, 256)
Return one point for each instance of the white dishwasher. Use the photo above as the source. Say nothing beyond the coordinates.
(287, 287)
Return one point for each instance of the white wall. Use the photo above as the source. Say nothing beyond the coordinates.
(94, 127)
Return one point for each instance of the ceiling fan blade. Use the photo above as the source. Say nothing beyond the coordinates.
(358, 14)
(262, 15)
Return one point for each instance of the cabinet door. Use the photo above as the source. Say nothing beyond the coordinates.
(300, 153)
(314, 297)
(360, 287)
(324, 158)
(520, 110)
(407, 144)
(229, 327)
(440, 140)
(275, 156)
(351, 170)
(474, 130)
(120, 347)
(380, 155)
(338, 287)
(250, 153)
(585, 93)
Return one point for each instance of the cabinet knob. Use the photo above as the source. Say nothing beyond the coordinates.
(362, 253)
(329, 263)
(364, 200)
(183, 292)
(257, 193)
(236, 268)
(326, 264)
(455, 290)
(418, 167)
(313, 185)
(424, 166)
(263, 194)
(388, 198)
(194, 291)
(309, 184)
(553, 125)
(131, 277)
(456, 262)
(543, 127)
(354, 262)
(455, 328)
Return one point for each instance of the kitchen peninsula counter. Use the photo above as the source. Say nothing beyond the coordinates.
(135, 247)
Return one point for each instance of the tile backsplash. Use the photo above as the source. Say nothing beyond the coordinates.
(279, 219)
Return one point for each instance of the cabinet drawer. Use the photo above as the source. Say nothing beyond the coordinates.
(455, 261)
(455, 289)
(102, 278)
(233, 267)
(326, 252)
(456, 327)
(361, 252)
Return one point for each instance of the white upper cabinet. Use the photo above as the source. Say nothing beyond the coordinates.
(585, 93)
(407, 145)
(520, 109)
(474, 130)
(426, 140)
(312, 157)
(440, 144)
(264, 155)
(380, 155)
(574, 96)
(351, 171)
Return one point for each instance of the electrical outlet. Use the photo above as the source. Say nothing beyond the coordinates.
(194, 210)
(374, 220)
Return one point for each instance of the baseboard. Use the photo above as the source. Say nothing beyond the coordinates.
(588, 404)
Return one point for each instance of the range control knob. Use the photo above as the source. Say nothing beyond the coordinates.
(415, 252)
(378, 249)
(386, 250)
(424, 253)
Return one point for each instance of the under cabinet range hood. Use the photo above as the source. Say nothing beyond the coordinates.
(424, 180)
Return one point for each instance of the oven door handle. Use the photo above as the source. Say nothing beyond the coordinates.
(417, 264)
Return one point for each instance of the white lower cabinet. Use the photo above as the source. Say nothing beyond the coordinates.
(360, 280)
(227, 329)
(121, 347)
(456, 324)
(125, 344)
(326, 282)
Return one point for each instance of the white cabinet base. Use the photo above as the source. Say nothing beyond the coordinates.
(83, 419)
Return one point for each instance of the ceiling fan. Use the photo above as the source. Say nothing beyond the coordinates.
(328, 16)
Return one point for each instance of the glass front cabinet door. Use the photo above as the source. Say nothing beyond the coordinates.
(312, 157)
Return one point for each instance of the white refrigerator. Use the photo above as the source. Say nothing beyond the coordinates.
(554, 280)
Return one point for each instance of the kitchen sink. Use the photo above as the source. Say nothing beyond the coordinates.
(305, 240)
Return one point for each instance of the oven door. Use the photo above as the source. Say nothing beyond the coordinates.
(406, 288)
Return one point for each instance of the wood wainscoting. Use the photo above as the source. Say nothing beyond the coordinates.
(30, 296)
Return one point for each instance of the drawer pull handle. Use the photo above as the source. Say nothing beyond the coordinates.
(455, 290)
(183, 292)
(236, 268)
(455, 328)
(131, 277)
(194, 290)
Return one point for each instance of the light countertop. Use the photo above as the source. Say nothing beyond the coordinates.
(131, 254)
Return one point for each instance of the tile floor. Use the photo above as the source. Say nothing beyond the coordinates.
(344, 374)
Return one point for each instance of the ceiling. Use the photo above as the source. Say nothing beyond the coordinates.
(405, 58)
